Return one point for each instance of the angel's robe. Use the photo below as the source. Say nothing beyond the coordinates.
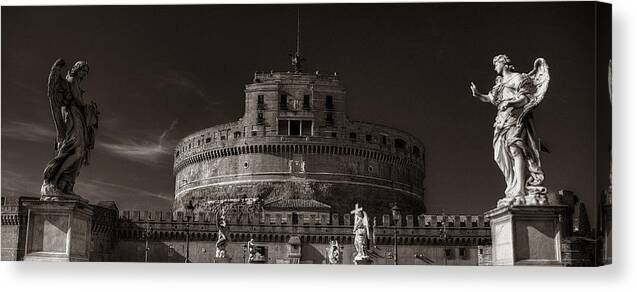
(522, 178)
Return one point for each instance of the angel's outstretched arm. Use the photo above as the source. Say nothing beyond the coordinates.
(483, 97)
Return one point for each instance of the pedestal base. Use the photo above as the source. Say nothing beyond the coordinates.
(526, 235)
(58, 231)
(221, 260)
(363, 261)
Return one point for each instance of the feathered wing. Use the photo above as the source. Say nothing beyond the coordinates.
(540, 78)
(56, 92)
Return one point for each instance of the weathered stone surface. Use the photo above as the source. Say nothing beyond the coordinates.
(526, 235)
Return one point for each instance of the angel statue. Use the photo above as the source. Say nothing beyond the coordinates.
(75, 121)
(222, 237)
(334, 253)
(516, 147)
(361, 234)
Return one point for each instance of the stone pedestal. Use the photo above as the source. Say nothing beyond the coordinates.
(58, 231)
(221, 260)
(526, 235)
(363, 261)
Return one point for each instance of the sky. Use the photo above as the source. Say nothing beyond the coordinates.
(159, 73)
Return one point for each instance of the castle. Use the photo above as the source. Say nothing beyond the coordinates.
(286, 176)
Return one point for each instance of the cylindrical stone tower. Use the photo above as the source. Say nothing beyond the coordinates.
(296, 142)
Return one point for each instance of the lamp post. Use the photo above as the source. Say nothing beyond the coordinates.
(443, 235)
(395, 212)
(189, 209)
(146, 236)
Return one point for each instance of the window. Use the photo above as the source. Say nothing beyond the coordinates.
(333, 134)
(295, 128)
(462, 252)
(306, 128)
(474, 224)
(450, 224)
(260, 119)
(368, 138)
(383, 139)
(260, 102)
(283, 102)
(237, 135)
(352, 136)
(329, 102)
(306, 102)
(329, 119)
(399, 144)
(208, 140)
(463, 224)
(448, 253)
(283, 127)
(254, 133)
(222, 137)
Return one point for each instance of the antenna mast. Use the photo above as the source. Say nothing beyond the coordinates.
(297, 60)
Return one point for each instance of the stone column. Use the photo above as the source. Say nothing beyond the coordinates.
(526, 235)
(58, 231)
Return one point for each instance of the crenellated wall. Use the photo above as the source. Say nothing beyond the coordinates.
(419, 237)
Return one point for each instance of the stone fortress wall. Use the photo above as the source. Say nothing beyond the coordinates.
(295, 141)
(420, 238)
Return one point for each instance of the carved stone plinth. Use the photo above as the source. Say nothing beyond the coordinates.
(58, 231)
(221, 260)
(363, 261)
(526, 235)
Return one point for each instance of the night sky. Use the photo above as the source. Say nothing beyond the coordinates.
(159, 73)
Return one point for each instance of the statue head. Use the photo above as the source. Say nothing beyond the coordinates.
(502, 62)
(79, 70)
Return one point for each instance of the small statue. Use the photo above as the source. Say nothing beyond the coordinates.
(361, 234)
(222, 237)
(251, 250)
(75, 121)
(334, 253)
(516, 148)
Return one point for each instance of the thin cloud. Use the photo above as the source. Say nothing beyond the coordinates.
(181, 79)
(101, 191)
(28, 131)
(149, 151)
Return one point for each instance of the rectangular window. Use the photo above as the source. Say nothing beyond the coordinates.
(463, 224)
(260, 102)
(448, 253)
(283, 127)
(368, 138)
(295, 128)
(260, 119)
(329, 119)
(462, 252)
(329, 102)
(283, 102)
(474, 223)
(306, 128)
(208, 140)
(306, 102)
(352, 136)
(383, 139)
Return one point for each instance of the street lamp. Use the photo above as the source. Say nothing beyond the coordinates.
(147, 230)
(189, 209)
(395, 212)
(444, 234)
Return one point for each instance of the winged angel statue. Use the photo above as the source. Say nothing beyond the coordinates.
(75, 122)
(516, 148)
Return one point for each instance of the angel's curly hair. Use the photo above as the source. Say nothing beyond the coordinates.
(77, 66)
(504, 59)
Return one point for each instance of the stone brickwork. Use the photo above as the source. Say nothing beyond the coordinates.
(295, 141)
(419, 237)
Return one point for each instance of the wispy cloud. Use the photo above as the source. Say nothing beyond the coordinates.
(98, 190)
(149, 150)
(28, 131)
(181, 79)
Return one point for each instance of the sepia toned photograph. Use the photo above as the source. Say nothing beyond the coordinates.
(460, 134)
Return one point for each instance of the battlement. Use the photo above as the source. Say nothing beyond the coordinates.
(266, 218)
(264, 77)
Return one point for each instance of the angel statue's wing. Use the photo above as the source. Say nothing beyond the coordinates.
(540, 78)
(57, 91)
